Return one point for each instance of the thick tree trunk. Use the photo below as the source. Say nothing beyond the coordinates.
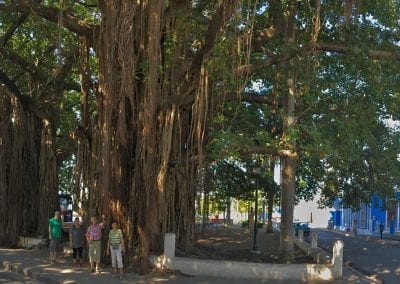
(287, 205)
(288, 176)
(139, 183)
(5, 158)
(270, 206)
(228, 210)
(19, 177)
(288, 160)
(85, 138)
(206, 203)
(48, 202)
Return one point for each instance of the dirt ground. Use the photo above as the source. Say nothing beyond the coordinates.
(236, 243)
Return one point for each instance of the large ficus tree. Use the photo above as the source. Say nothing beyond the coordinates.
(153, 73)
(139, 145)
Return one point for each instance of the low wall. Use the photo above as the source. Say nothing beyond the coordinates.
(247, 270)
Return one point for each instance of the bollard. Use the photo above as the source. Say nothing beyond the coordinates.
(169, 245)
(301, 236)
(314, 240)
(337, 259)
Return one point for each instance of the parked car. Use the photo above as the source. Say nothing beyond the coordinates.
(302, 226)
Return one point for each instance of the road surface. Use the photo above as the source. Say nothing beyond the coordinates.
(372, 257)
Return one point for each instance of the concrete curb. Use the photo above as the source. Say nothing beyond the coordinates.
(326, 271)
(247, 270)
(324, 255)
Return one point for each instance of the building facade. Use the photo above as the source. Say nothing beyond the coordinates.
(368, 218)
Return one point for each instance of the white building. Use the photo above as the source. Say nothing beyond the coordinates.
(309, 212)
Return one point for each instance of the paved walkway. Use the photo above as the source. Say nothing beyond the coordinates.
(35, 264)
(15, 278)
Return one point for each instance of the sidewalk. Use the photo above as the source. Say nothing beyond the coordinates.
(386, 238)
(35, 264)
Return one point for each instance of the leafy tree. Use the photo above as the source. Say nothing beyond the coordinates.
(163, 82)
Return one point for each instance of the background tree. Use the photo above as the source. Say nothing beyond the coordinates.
(315, 61)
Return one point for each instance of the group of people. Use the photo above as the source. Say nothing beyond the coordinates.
(93, 236)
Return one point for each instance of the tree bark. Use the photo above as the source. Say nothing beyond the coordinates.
(270, 206)
(288, 161)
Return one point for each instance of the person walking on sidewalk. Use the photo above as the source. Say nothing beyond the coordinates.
(55, 230)
(76, 238)
(93, 236)
(116, 246)
(381, 229)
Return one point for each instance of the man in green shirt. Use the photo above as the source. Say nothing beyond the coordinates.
(55, 228)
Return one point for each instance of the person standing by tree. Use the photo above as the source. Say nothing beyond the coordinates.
(76, 238)
(93, 236)
(55, 230)
(116, 246)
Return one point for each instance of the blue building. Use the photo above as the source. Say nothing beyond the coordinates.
(369, 216)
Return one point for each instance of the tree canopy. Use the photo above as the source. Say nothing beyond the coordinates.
(141, 96)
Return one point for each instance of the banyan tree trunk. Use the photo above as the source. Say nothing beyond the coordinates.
(48, 178)
(28, 173)
(5, 158)
(150, 132)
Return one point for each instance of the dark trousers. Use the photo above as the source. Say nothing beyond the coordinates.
(77, 252)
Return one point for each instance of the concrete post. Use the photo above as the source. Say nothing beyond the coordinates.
(314, 240)
(301, 236)
(337, 259)
(169, 245)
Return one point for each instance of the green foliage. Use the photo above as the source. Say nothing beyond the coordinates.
(66, 176)
(230, 180)
(344, 101)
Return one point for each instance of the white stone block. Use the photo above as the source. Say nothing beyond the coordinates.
(314, 240)
(169, 245)
(301, 236)
(337, 259)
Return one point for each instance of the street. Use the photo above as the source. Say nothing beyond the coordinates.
(372, 257)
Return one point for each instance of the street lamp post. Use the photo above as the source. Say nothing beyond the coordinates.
(257, 172)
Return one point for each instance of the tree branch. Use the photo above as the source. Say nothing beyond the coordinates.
(269, 150)
(252, 98)
(7, 35)
(25, 65)
(63, 71)
(70, 22)
(26, 101)
(321, 47)
(374, 54)
(189, 81)
(39, 76)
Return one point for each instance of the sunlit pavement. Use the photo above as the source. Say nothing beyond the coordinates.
(15, 278)
(35, 264)
(368, 254)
